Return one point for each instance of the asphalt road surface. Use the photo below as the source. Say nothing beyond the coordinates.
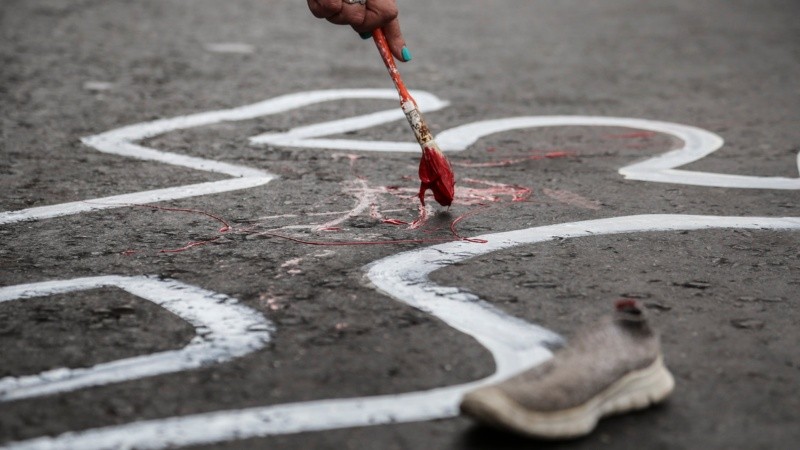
(184, 262)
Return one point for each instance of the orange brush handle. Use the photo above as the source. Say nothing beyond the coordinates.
(388, 60)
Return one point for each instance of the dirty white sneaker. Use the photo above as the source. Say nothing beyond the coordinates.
(611, 367)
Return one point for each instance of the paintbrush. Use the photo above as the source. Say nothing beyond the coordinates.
(434, 168)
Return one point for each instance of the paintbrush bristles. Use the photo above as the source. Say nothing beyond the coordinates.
(435, 174)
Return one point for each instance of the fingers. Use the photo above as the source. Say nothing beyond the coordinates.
(365, 18)
(396, 42)
(349, 14)
(377, 14)
(322, 9)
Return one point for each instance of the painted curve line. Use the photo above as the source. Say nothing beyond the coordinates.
(121, 141)
(697, 144)
(514, 343)
(225, 330)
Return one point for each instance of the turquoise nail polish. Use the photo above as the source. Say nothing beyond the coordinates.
(365, 35)
(406, 54)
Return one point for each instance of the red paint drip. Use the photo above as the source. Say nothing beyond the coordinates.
(225, 226)
(435, 174)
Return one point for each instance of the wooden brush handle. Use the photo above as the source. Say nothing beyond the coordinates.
(388, 60)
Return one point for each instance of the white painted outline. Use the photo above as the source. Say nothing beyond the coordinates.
(120, 142)
(697, 144)
(225, 330)
(514, 344)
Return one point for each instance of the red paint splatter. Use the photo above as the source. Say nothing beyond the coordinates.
(492, 194)
(435, 174)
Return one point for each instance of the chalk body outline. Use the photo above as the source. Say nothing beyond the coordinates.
(697, 144)
(496, 330)
(225, 329)
(403, 277)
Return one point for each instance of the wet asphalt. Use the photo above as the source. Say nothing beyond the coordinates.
(724, 300)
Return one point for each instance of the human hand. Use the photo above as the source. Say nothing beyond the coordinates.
(364, 18)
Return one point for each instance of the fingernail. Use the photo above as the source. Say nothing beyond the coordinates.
(406, 54)
(365, 35)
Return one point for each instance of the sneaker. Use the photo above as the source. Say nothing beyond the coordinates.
(611, 367)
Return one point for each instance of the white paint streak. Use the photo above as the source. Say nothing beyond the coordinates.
(225, 330)
(364, 198)
(514, 343)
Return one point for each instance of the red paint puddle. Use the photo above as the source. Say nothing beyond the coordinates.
(633, 135)
(508, 162)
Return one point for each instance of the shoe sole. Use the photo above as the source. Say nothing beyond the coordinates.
(636, 390)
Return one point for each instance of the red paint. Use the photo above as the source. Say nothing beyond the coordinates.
(634, 135)
(571, 198)
(459, 219)
(225, 226)
(626, 304)
(188, 246)
(508, 162)
(352, 243)
(394, 222)
(435, 174)
(491, 194)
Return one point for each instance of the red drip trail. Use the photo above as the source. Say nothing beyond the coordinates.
(225, 226)
(462, 217)
(188, 246)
